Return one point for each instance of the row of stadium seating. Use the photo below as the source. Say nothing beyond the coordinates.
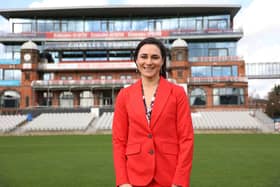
(202, 120)
(206, 120)
(60, 122)
(227, 120)
(10, 122)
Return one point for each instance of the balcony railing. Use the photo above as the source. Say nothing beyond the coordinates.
(216, 59)
(80, 83)
(77, 65)
(198, 80)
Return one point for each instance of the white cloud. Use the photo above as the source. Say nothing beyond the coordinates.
(261, 41)
(261, 27)
(64, 3)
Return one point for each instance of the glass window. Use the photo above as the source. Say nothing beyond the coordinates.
(111, 25)
(228, 96)
(10, 99)
(217, 24)
(83, 77)
(48, 76)
(198, 97)
(158, 25)
(218, 52)
(201, 71)
(12, 74)
(1, 74)
(103, 27)
(96, 55)
(211, 49)
(234, 71)
(179, 56)
(139, 25)
(66, 99)
(86, 99)
(170, 24)
(226, 71)
(75, 26)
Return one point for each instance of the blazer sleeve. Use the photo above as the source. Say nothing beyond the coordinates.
(185, 140)
(120, 135)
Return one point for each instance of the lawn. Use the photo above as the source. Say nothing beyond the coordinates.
(231, 160)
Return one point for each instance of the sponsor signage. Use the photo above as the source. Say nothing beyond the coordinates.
(87, 35)
(92, 45)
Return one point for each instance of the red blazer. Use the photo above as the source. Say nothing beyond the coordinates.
(163, 150)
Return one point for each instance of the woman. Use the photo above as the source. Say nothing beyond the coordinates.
(152, 127)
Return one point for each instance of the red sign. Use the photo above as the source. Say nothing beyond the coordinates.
(124, 34)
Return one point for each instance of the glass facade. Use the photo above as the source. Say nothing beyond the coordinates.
(112, 25)
(202, 49)
(214, 71)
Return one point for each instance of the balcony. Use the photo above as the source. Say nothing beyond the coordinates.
(80, 84)
(80, 66)
(210, 80)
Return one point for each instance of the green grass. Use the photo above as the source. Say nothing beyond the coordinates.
(232, 160)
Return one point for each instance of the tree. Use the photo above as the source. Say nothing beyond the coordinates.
(273, 105)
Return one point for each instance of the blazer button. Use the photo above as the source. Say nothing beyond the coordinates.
(150, 136)
(151, 152)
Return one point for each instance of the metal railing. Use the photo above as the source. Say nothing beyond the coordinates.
(80, 83)
(216, 59)
(216, 79)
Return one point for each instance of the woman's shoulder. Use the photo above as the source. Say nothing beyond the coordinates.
(130, 88)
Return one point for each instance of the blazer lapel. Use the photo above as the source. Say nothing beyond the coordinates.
(163, 92)
(137, 103)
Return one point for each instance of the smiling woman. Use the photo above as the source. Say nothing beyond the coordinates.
(152, 126)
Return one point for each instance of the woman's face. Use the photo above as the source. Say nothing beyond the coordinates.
(149, 61)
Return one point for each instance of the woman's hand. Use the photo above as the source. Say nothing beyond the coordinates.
(125, 185)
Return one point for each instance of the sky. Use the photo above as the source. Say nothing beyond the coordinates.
(259, 20)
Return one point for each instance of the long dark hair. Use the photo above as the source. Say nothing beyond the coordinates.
(159, 44)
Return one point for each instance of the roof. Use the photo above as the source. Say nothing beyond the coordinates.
(29, 45)
(121, 11)
(179, 43)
